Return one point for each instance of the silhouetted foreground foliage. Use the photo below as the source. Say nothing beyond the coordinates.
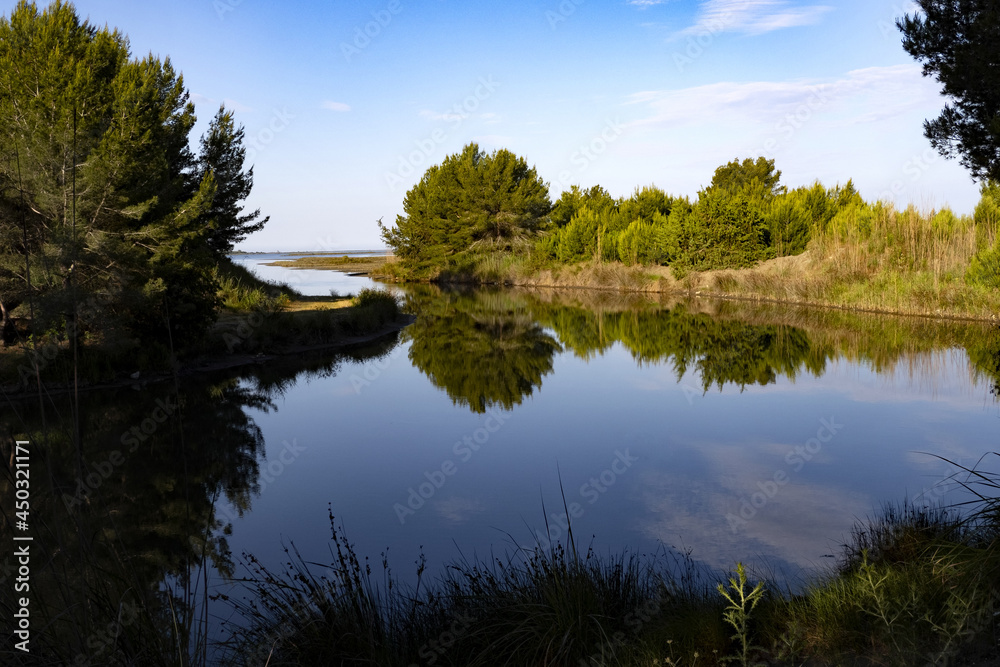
(916, 586)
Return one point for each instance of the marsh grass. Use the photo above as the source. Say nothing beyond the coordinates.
(241, 290)
(364, 265)
(553, 606)
(915, 586)
(271, 329)
(882, 259)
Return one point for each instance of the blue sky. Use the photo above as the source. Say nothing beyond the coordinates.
(345, 104)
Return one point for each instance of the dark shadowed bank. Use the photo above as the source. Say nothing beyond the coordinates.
(269, 328)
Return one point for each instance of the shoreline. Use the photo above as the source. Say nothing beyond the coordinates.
(639, 280)
(14, 392)
(768, 300)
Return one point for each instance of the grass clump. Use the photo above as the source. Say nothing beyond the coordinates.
(540, 607)
(372, 309)
(917, 585)
(241, 290)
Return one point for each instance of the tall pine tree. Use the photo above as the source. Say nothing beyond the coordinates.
(222, 155)
(100, 201)
(472, 199)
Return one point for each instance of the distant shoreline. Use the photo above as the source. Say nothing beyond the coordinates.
(304, 253)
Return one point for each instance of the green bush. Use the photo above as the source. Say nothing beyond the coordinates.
(731, 231)
(789, 224)
(984, 269)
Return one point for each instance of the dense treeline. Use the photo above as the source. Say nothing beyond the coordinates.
(452, 224)
(742, 217)
(111, 226)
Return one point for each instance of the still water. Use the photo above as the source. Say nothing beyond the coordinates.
(734, 431)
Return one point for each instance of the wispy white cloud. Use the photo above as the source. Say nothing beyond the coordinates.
(236, 106)
(753, 17)
(860, 96)
(198, 99)
(335, 106)
(646, 3)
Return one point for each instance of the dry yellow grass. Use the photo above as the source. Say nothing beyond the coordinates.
(317, 303)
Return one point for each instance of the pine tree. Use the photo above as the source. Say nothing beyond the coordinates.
(98, 190)
(956, 40)
(472, 199)
(222, 155)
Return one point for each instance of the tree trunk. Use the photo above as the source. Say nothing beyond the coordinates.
(8, 332)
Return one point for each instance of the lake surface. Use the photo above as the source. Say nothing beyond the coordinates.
(734, 431)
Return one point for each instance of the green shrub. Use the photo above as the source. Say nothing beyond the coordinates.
(984, 269)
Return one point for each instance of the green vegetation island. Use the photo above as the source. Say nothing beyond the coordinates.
(114, 243)
(486, 218)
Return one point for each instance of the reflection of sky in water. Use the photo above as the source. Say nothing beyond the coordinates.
(378, 429)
